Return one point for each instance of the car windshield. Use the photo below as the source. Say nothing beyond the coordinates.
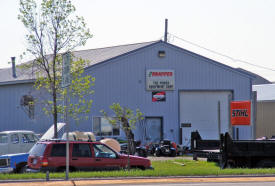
(3, 138)
(38, 149)
(102, 151)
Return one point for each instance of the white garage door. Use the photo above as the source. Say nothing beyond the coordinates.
(205, 111)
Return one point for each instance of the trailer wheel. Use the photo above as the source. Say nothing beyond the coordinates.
(210, 159)
(173, 154)
(223, 162)
(265, 164)
(158, 153)
(195, 156)
(230, 164)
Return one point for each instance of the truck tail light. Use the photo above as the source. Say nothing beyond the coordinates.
(44, 162)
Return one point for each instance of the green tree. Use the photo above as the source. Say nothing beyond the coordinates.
(126, 119)
(53, 28)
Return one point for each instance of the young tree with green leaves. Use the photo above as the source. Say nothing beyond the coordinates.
(126, 119)
(53, 29)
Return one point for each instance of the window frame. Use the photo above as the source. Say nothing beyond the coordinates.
(58, 144)
(5, 138)
(81, 156)
(111, 151)
(18, 139)
(100, 133)
(29, 138)
(27, 103)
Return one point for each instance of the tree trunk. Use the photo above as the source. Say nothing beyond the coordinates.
(54, 82)
(130, 136)
(54, 112)
(131, 143)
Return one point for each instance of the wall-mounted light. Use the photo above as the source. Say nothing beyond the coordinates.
(161, 53)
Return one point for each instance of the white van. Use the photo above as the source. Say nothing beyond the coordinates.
(18, 141)
(21, 141)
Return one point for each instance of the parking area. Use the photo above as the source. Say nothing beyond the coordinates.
(164, 158)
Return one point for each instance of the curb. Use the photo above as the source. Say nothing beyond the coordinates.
(111, 179)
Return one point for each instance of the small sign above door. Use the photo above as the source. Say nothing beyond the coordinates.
(182, 125)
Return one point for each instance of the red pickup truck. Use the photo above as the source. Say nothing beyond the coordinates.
(83, 155)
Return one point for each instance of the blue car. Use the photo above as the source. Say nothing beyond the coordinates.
(13, 163)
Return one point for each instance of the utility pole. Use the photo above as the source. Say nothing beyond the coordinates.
(166, 30)
(66, 81)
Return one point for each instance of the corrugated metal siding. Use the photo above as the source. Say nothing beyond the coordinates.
(12, 115)
(123, 80)
(265, 119)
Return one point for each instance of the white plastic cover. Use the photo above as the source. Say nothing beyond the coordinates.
(50, 132)
(80, 136)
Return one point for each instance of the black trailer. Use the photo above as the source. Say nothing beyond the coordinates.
(246, 153)
(234, 153)
(202, 148)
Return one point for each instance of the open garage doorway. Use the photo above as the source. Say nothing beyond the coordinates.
(205, 111)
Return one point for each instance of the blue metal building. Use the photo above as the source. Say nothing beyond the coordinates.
(177, 90)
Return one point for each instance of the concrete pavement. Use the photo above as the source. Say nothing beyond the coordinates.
(144, 181)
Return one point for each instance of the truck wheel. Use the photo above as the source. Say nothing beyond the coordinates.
(61, 169)
(173, 154)
(22, 169)
(144, 153)
(158, 153)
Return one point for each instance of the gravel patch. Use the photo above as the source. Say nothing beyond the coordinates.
(163, 158)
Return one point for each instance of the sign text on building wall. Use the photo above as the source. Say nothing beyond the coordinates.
(157, 80)
(240, 112)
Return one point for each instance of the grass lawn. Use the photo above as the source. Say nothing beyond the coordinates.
(161, 168)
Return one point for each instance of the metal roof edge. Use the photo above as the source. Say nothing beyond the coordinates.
(266, 101)
(211, 61)
(154, 41)
(125, 54)
(143, 47)
(17, 82)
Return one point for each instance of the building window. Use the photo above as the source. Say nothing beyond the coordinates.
(161, 53)
(27, 104)
(102, 127)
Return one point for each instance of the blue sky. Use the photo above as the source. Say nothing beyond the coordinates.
(241, 29)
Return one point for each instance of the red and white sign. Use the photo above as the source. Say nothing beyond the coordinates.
(158, 96)
(240, 112)
(160, 80)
